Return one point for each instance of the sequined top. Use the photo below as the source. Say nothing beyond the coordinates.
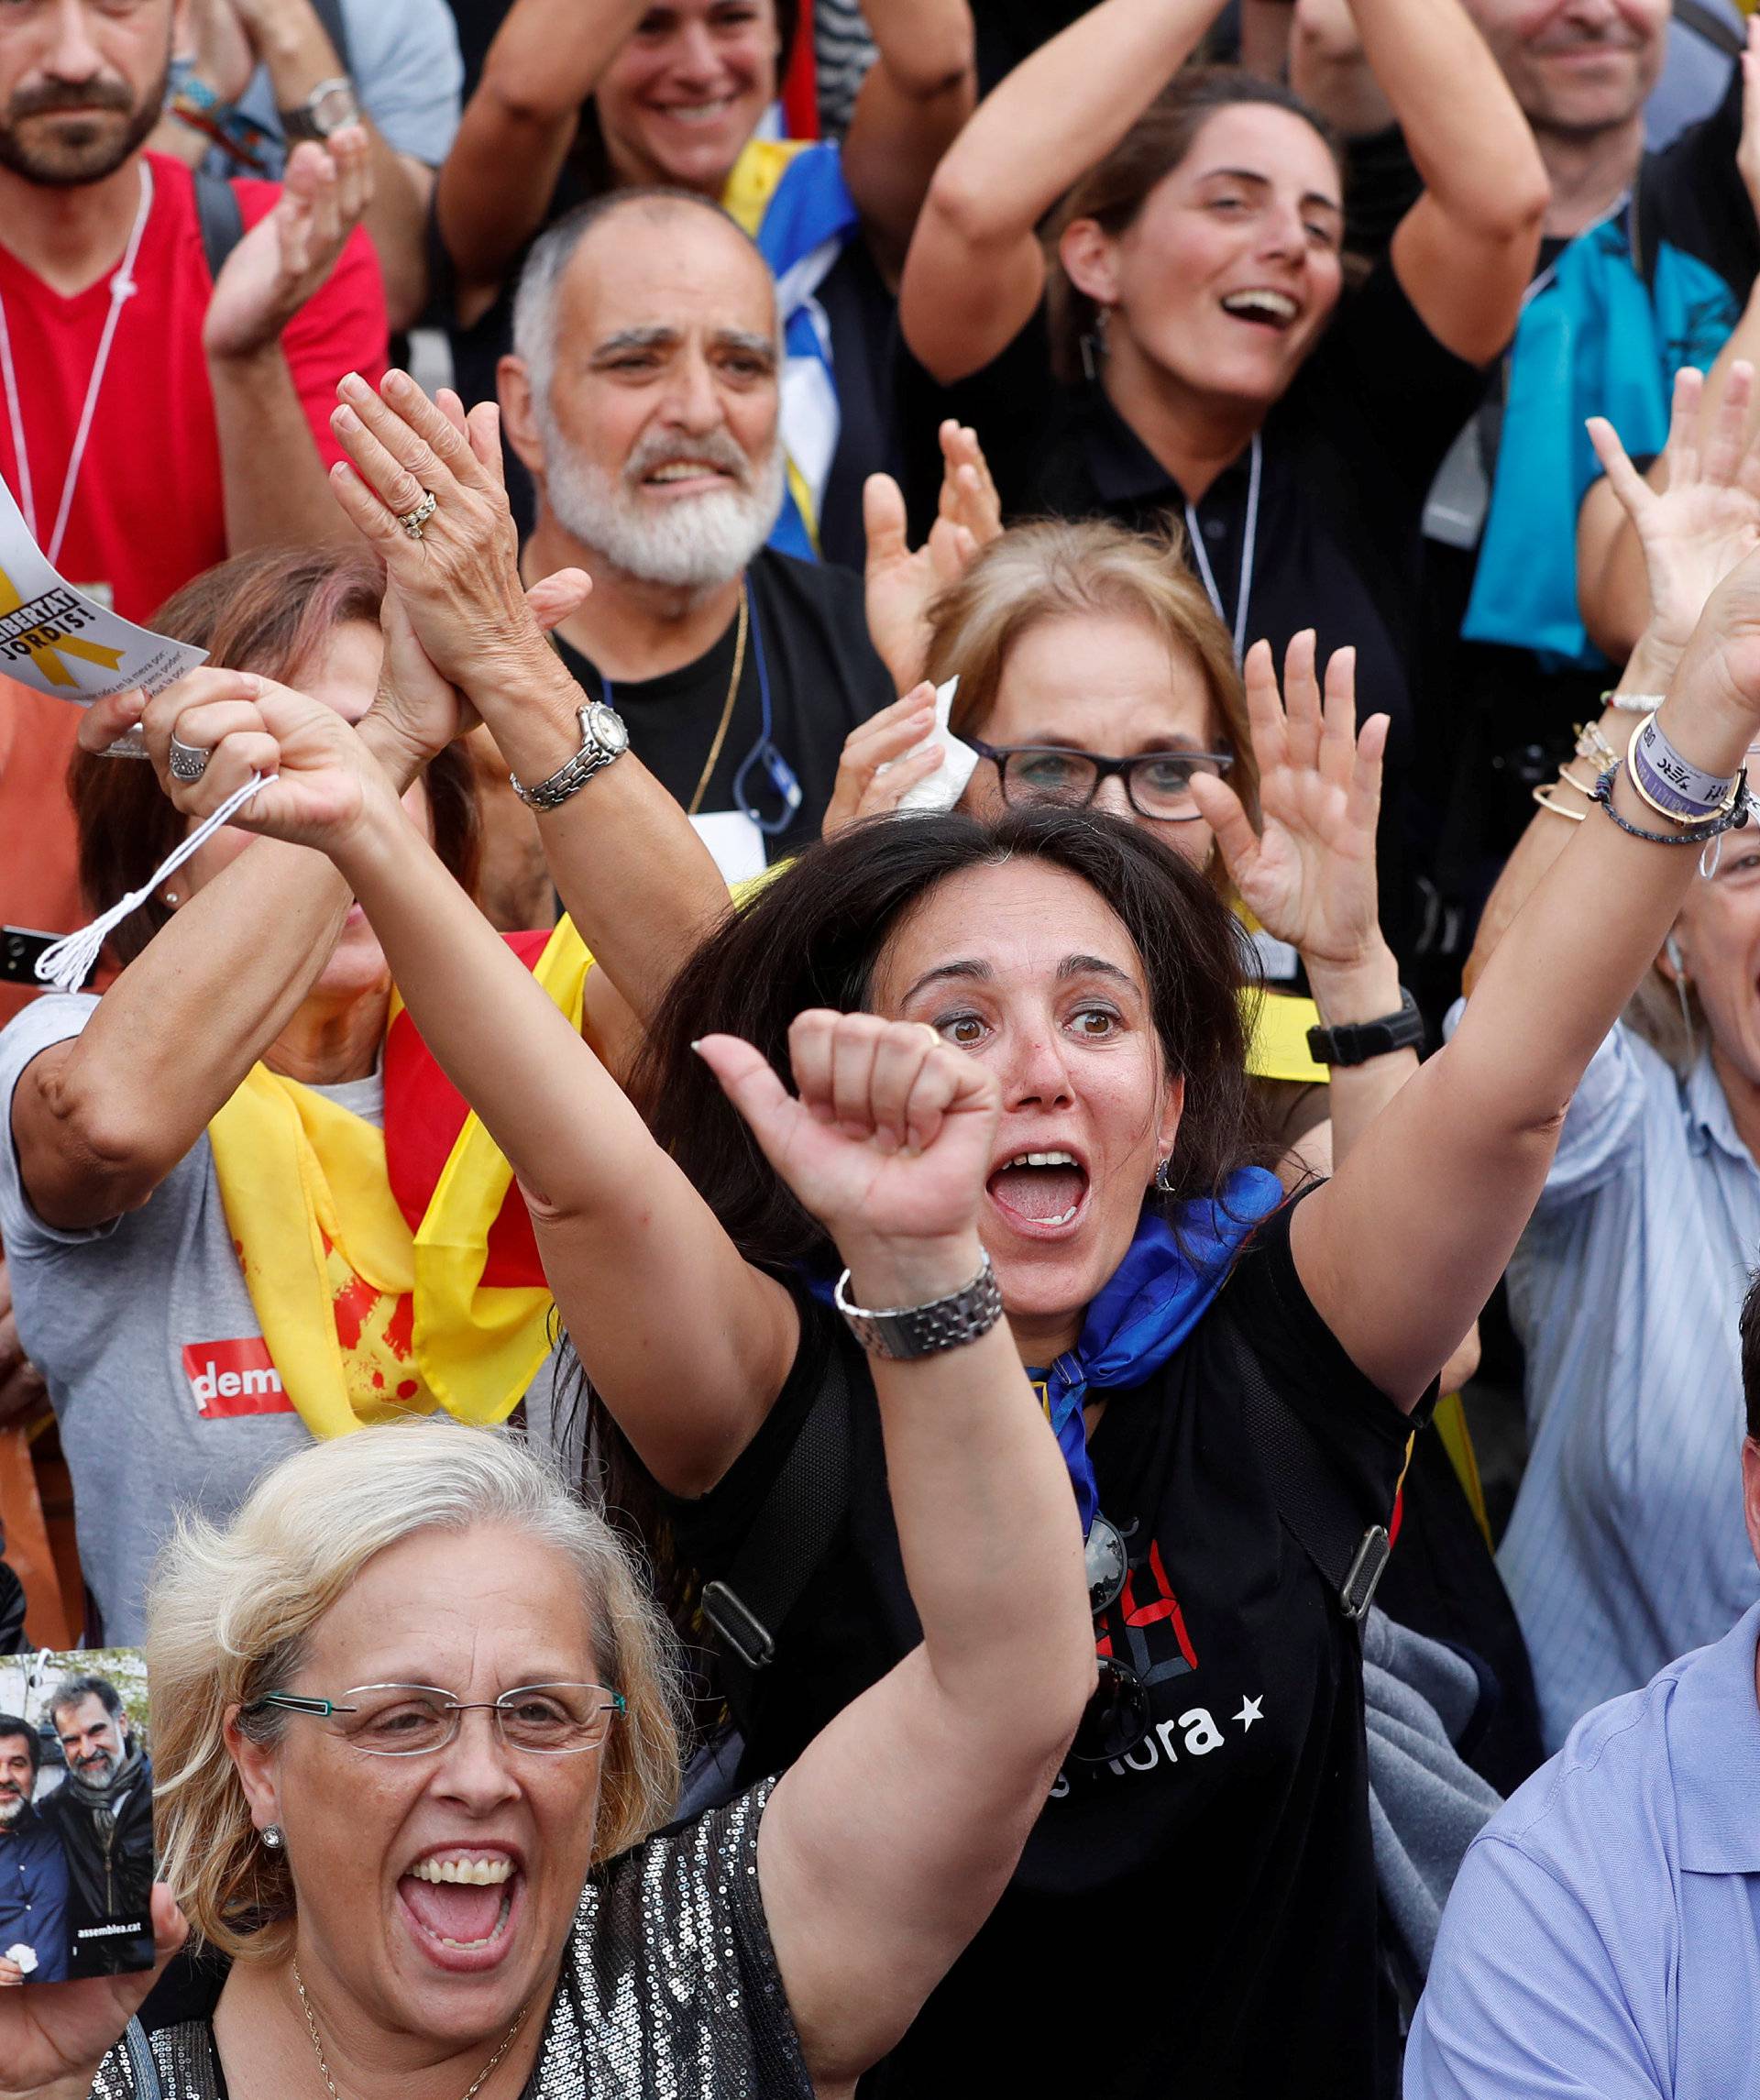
(669, 1989)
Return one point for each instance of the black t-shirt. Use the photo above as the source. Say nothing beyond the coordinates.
(1200, 1916)
(808, 625)
(1347, 456)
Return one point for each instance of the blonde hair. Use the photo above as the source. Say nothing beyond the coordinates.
(230, 1612)
(1061, 568)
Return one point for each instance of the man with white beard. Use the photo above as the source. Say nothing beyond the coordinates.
(33, 1869)
(643, 396)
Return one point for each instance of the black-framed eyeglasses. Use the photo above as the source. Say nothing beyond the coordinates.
(1117, 1718)
(412, 1720)
(1158, 784)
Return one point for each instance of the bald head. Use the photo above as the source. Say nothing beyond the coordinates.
(643, 388)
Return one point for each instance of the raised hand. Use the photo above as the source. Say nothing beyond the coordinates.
(321, 782)
(1308, 873)
(901, 584)
(1706, 519)
(883, 758)
(54, 2036)
(890, 1136)
(287, 256)
(459, 578)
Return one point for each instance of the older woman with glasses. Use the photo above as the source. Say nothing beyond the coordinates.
(414, 1716)
(1095, 673)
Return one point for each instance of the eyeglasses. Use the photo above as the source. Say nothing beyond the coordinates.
(1158, 784)
(1116, 1718)
(412, 1720)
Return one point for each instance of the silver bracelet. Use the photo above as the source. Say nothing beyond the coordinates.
(901, 1332)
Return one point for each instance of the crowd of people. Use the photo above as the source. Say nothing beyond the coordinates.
(968, 823)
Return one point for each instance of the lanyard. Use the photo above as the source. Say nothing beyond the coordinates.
(764, 753)
(1196, 536)
(122, 287)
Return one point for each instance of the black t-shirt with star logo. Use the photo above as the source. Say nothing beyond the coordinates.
(1198, 1915)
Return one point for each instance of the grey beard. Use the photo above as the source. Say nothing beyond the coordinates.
(11, 1808)
(694, 545)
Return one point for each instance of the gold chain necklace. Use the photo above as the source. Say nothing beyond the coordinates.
(471, 2092)
(720, 731)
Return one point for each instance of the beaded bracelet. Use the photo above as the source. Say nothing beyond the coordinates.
(1591, 743)
(1708, 835)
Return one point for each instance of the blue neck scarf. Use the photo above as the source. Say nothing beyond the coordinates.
(1167, 1281)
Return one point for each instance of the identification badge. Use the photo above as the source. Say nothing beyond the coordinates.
(65, 643)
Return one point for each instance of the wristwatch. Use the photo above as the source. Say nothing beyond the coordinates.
(1354, 1042)
(902, 1332)
(329, 106)
(603, 737)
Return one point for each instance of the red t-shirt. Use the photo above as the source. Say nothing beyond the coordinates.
(147, 512)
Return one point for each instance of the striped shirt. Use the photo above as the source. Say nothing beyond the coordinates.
(1627, 1546)
(842, 52)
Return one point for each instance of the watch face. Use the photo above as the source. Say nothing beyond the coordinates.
(333, 107)
(605, 727)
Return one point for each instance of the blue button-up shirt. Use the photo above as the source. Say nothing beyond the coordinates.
(34, 1895)
(1603, 1935)
(1627, 1546)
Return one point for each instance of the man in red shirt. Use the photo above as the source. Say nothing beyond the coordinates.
(155, 420)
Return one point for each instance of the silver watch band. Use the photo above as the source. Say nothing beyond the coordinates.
(902, 1332)
(568, 779)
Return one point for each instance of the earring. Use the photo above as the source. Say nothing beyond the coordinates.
(1094, 345)
(273, 1837)
(1161, 1184)
(171, 898)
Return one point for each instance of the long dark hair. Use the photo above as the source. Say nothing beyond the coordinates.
(813, 936)
(1114, 189)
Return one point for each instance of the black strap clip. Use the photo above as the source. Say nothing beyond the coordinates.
(1357, 1592)
(741, 1627)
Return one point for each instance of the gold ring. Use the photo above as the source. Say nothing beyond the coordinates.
(413, 521)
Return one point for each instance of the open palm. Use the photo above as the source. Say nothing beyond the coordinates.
(892, 1132)
(1308, 873)
(1707, 520)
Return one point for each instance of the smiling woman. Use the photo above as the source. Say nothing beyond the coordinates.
(1183, 345)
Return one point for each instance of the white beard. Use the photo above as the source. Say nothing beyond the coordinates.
(694, 543)
(11, 1808)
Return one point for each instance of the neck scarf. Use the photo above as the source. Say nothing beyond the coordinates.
(1595, 338)
(1167, 1281)
(390, 1274)
(106, 1796)
(789, 195)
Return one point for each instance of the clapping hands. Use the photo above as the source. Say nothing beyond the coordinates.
(287, 256)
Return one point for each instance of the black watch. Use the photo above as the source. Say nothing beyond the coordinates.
(1354, 1042)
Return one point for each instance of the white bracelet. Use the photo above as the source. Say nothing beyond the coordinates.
(1634, 703)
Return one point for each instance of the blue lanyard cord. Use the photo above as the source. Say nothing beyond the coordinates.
(781, 775)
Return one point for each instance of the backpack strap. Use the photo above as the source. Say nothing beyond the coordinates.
(1310, 1497)
(1703, 21)
(221, 218)
(789, 1539)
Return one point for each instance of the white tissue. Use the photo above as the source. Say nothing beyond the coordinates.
(21, 1956)
(944, 787)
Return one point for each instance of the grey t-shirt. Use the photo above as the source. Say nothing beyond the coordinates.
(154, 1357)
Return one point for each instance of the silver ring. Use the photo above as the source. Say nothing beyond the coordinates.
(189, 761)
(413, 521)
